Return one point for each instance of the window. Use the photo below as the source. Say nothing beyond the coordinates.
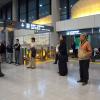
(44, 8)
(9, 13)
(32, 16)
(65, 8)
(6, 12)
(23, 10)
(23, 17)
(72, 2)
(32, 10)
(44, 2)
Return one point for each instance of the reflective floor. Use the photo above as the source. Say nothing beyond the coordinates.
(44, 83)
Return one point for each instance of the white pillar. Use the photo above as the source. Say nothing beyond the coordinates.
(14, 9)
(55, 17)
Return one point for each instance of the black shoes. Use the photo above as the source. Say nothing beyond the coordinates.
(54, 63)
(83, 83)
(1, 75)
(80, 81)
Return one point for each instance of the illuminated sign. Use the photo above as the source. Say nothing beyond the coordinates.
(73, 32)
(22, 25)
(28, 26)
(37, 28)
(33, 27)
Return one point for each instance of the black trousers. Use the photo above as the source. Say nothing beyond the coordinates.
(0, 69)
(84, 70)
(62, 65)
(56, 58)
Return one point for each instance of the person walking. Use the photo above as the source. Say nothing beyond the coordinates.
(17, 52)
(32, 63)
(9, 53)
(63, 58)
(84, 54)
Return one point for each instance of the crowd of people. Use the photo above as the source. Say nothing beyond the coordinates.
(9, 51)
(84, 55)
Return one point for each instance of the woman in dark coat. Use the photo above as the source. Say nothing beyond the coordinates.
(63, 58)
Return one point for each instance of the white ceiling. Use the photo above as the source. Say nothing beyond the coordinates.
(3, 2)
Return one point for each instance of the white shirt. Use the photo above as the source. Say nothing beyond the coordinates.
(57, 48)
(32, 44)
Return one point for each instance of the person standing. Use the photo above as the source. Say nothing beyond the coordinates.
(4, 51)
(84, 54)
(9, 53)
(32, 63)
(74, 49)
(57, 50)
(63, 58)
(1, 52)
(17, 52)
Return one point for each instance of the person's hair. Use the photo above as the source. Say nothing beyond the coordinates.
(64, 38)
(84, 34)
(17, 39)
(62, 42)
(33, 39)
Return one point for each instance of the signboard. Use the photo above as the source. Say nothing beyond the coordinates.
(38, 28)
(77, 32)
(29, 26)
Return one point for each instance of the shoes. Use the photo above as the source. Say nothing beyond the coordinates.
(85, 83)
(1, 75)
(31, 67)
(17, 64)
(80, 81)
(28, 67)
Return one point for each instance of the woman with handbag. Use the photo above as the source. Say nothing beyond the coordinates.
(84, 55)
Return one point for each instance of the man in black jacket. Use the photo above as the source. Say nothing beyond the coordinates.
(17, 52)
(1, 52)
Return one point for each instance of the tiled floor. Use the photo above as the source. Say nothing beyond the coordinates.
(44, 83)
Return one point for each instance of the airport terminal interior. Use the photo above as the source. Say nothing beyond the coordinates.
(49, 49)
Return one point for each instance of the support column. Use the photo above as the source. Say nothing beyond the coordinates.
(55, 17)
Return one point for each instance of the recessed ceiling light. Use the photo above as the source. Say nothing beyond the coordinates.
(41, 5)
(65, 7)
